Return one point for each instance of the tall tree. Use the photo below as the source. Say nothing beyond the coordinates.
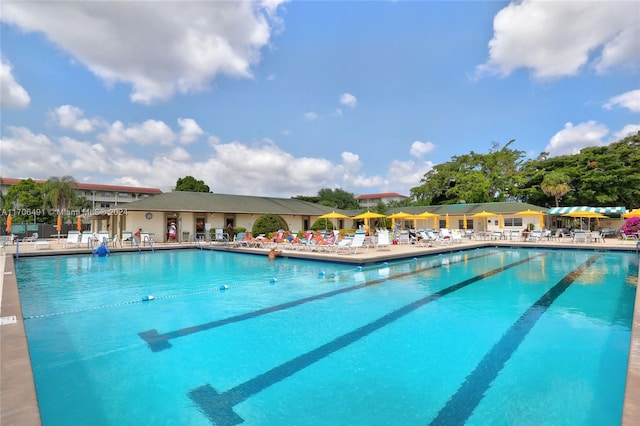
(191, 184)
(59, 193)
(337, 198)
(556, 184)
(473, 178)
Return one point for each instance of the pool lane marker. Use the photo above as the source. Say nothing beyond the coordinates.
(158, 342)
(218, 407)
(462, 404)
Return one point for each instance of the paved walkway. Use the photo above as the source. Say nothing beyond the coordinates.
(18, 403)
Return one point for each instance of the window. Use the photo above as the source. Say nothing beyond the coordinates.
(513, 221)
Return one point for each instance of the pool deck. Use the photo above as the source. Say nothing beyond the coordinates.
(18, 401)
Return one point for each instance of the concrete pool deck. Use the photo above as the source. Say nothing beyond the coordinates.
(18, 401)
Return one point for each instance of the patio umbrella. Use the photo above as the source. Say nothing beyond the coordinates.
(446, 221)
(429, 215)
(530, 212)
(9, 220)
(584, 214)
(79, 224)
(632, 213)
(501, 221)
(483, 215)
(59, 224)
(368, 215)
(464, 221)
(333, 215)
(399, 215)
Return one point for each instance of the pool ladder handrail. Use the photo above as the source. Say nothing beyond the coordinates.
(197, 241)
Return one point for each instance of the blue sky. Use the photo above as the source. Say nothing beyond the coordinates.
(286, 98)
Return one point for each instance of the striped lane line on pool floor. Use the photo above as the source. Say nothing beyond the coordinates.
(158, 342)
(459, 408)
(218, 407)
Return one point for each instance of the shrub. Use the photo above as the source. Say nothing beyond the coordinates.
(268, 223)
(631, 225)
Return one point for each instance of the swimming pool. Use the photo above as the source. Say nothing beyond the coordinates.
(489, 336)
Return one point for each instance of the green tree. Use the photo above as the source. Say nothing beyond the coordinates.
(24, 201)
(556, 184)
(337, 199)
(190, 184)
(59, 194)
(473, 178)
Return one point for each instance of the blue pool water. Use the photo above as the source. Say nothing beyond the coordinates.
(488, 336)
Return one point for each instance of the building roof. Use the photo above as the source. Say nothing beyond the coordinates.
(92, 186)
(380, 195)
(182, 201)
(471, 208)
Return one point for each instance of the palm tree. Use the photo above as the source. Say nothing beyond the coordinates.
(556, 185)
(59, 193)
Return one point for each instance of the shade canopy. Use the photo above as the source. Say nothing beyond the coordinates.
(586, 214)
(428, 215)
(529, 212)
(632, 213)
(400, 215)
(333, 215)
(485, 214)
(368, 215)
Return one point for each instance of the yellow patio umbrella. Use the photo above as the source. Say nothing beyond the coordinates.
(584, 214)
(446, 221)
(368, 215)
(9, 220)
(632, 213)
(333, 215)
(530, 212)
(429, 215)
(500, 221)
(464, 221)
(483, 215)
(398, 215)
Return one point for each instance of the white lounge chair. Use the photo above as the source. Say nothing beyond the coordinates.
(86, 238)
(580, 237)
(456, 236)
(103, 237)
(382, 240)
(444, 237)
(356, 243)
(39, 243)
(73, 238)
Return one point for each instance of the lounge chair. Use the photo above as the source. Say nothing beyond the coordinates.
(444, 237)
(86, 238)
(220, 236)
(580, 237)
(534, 236)
(382, 240)
(404, 238)
(103, 237)
(456, 236)
(356, 243)
(73, 238)
(39, 243)
(127, 237)
(426, 239)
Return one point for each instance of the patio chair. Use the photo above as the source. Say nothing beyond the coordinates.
(383, 240)
(127, 237)
(86, 238)
(580, 237)
(103, 237)
(73, 238)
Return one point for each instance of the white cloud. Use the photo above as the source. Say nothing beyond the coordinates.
(311, 116)
(418, 149)
(190, 130)
(628, 130)
(70, 117)
(23, 153)
(629, 100)
(348, 99)
(160, 48)
(556, 39)
(150, 132)
(12, 94)
(573, 138)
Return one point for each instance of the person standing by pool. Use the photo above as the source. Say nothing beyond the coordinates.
(137, 236)
(172, 232)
